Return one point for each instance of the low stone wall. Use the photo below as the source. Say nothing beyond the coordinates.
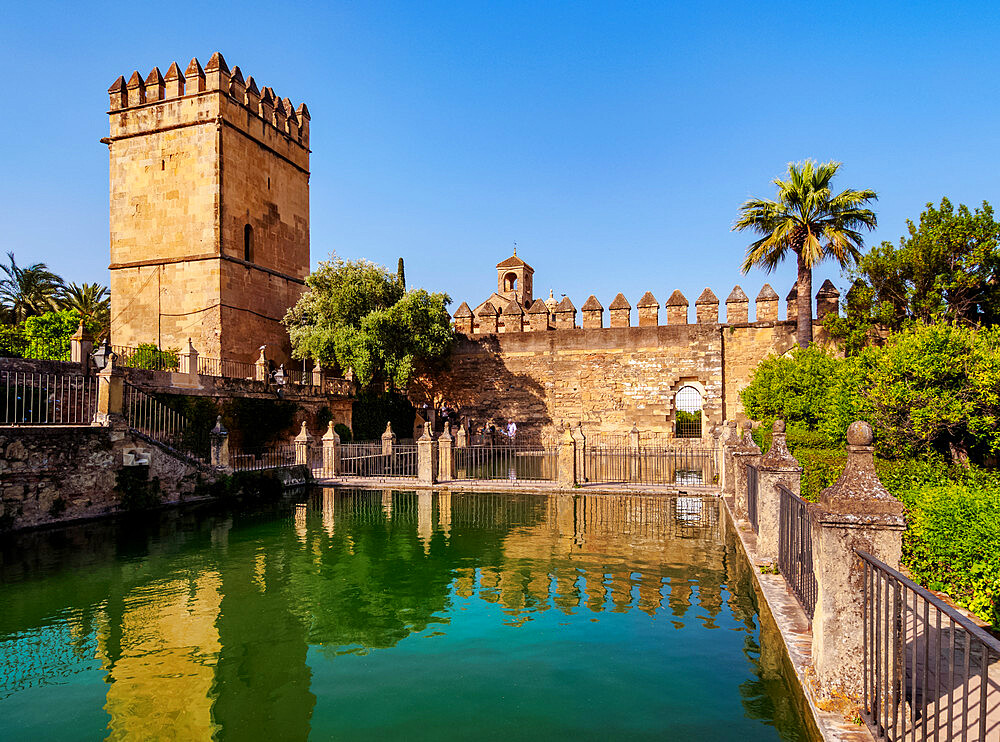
(54, 474)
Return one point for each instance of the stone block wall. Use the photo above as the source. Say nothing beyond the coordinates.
(51, 474)
(611, 378)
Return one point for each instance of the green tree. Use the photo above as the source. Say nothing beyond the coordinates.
(27, 291)
(947, 268)
(91, 300)
(793, 387)
(47, 335)
(356, 315)
(809, 221)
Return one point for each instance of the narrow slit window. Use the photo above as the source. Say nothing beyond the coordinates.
(248, 243)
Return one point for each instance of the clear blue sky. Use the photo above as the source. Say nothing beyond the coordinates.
(613, 141)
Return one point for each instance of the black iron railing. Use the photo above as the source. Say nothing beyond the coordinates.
(512, 463)
(795, 558)
(752, 479)
(375, 460)
(48, 399)
(274, 457)
(650, 464)
(929, 672)
(149, 416)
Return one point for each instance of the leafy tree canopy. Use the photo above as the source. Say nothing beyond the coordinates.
(356, 315)
(930, 388)
(947, 268)
(808, 221)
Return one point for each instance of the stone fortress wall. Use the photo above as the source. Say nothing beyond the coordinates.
(546, 367)
(209, 210)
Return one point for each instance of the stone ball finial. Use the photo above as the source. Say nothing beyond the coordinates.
(860, 433)
(778, 427)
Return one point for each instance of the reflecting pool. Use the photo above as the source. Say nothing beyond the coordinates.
(391, 615)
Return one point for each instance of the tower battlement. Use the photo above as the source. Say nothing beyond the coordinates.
(160, 91)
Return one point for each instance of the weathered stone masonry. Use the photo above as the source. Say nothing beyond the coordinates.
(544, 371)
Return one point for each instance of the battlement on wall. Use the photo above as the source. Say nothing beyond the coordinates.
(216, 77)
(541, 318)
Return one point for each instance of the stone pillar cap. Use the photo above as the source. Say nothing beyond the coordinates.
(446, 435)
(219, 428)
(388, 431)
(778, 457)
(81, 333)
(331, 434)
(303, 436)
(858, 496)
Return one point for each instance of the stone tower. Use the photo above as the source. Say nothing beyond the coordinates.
(209, 211)
(514, 280)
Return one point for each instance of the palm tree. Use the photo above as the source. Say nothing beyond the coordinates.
(28, 291)
(91, 300)
(808, 220)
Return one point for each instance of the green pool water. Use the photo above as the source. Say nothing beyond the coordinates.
(391, 615)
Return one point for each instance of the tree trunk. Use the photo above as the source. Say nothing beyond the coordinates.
(803, 302)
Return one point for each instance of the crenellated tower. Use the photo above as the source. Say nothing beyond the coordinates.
(209, 181)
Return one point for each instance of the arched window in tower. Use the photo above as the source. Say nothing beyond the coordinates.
(510, 282)
(248, 243)
(687, 409)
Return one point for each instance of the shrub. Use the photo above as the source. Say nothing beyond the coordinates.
(343, 431)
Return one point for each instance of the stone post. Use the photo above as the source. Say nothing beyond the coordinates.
(303, 446)
(219, 438)
(427, 463)
(446, 462)
(317, 374)
(777, 467)
(81, 346)
(580, 441)
(634, 465)
(461, 436)
(331, 452)
(388, 440)
(745, 452)
(855, 513)
(188, 360)
(260, 367)
(110, 393)
(729, 443)
(567, 459)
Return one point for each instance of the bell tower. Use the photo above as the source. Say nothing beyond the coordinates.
(514, 280)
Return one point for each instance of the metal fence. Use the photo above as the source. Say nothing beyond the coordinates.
(147, 415)
(511, 463)
(795, 559)
(222, 367)
(273, 457)
(147, 357)
(370, 459)
(752, 478)
(48, 399)
(929, 672)
(650, 465)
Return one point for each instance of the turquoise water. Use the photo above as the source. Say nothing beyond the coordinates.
(391, 615)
